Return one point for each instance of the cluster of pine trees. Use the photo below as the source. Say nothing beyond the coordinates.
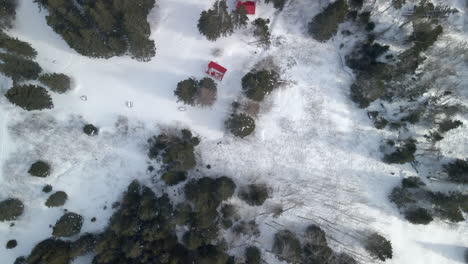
(103, 29)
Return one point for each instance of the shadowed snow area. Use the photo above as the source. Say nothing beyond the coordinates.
(314, 148)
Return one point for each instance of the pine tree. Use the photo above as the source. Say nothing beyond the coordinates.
(324, 25)
(216, 22)
(239, 17)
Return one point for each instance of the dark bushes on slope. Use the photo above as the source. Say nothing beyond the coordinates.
(379, 247)
(254, 194)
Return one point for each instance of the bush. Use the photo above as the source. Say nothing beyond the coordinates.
(57, 199)
(68, 225)
(401, 197)
(457, 171)
(278, 4)
(364, 57)
(103, 29)
(254, 194)
(193, 92)
(344, 258)
(174, 177)
(287, 246)
(448, 206)
(216, 22)
(57, 82)
(7, 12)
(424, 35)
(379, 247)
(253, 255)
(402, 154)
(412, 182)
(11, 244)
(448, 125)
(247, 228)
(50, 251)
(10, 209)
(207, 193)
(90, 130)
(16, 46)
(314, 235)
(229, 215)
(39, 169)
(257, 84)
(324, 25)
(240, 125)
(262, 31)
(47, 188)
(82, 246)
(398, 3)
(29, 97)
(356, 4)
(418, 216)
(18, 68)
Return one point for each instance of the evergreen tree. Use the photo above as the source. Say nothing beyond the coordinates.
(261, 30)
(324, 25)
(19, 68)
(457, 171)
(240, 125)
(186, 91)
(239, 17)
(57, 82)
(29, 97)
(379, 247)
(257, 84)
(216, 22)
(16, 47)
(7, 12)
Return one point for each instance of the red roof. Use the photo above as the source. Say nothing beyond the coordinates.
(248, 5)
(217, 67)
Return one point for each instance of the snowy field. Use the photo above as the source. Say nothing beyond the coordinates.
(317, 151)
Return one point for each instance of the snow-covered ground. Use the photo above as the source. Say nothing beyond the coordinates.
(317, 151)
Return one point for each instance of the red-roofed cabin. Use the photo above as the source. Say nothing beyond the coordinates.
(216, 71)
(248, 5)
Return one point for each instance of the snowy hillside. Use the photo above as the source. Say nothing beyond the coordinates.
(317, 151)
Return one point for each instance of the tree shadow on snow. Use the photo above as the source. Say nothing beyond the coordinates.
(451, 252)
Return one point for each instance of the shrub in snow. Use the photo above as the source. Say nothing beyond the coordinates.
(457, 171)
(39, 169)
(254, 194)
(246, 228)
(216, 22)
(90, 130)
(449, 206)
(103, 29)
(253, 255)
(30, 97)
(10, 209)
(229, 215)
(364, 57)
(314, 235)
(208, 193)
(11, 244)
(403, 153)
(287, 247)
(240, 125)
(316, 249)
(57, 199)
(412, 182)
(18, 68)
(262, 31)
(447, 125)
(418, 216)
(57, 82)
(278, 4)
(324, 25)
(15, 46)
(193, 92)
(68, 225)
(176, 152)
(7, 13)
(379, 247)
(344, 258)
(174, 177)
(47, 188)
(379, 121)
(257, 84)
